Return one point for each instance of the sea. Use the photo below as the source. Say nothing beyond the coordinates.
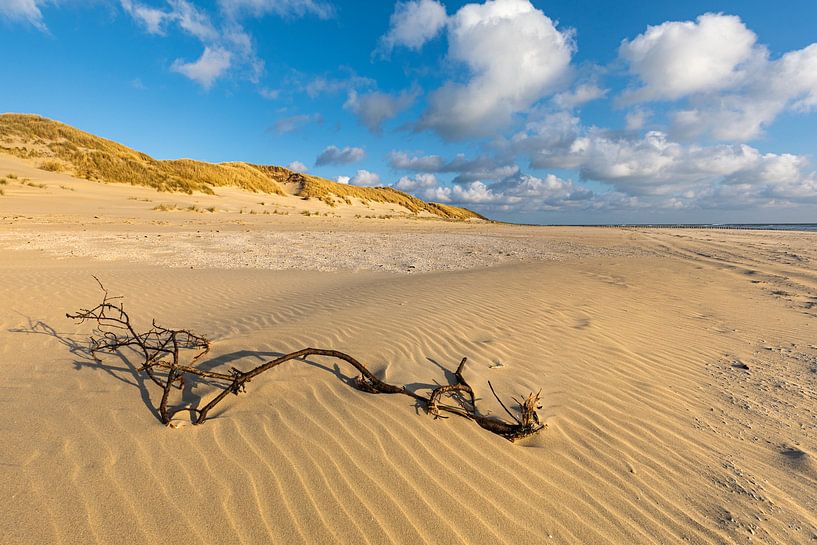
(751, 226)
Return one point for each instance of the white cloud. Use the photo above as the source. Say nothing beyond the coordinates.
(210, 66)
(151, 18)
(226, 43)
(479, 168)
(553, 140)
(412, 24)
(523, 193)
(429, 163)
(365, 178)
(733, 88)
(654, 166)
(473, 193)
(333, 155)
(342, 179)
(297, 166)
(420, 181)
(772, 87)
(24, 10)
(374, 108)
(679, 58)
(515, 56)
(193, 21)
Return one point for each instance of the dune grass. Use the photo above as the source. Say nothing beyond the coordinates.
(64, 148)
(331, 192)
(52, 166)
(102, 160)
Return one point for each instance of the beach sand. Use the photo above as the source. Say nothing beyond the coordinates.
(678, 371)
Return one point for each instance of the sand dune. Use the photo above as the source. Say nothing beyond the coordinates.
(679, 383)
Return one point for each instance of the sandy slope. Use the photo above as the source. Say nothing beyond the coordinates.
(656, 433)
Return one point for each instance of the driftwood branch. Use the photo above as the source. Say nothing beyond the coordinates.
(163, 354)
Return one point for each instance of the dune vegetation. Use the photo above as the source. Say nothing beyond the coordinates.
(60, 147)
(333, 192)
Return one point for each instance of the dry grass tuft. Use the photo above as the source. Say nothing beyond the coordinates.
(52, 166)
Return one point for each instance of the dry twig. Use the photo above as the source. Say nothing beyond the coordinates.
(162, 351)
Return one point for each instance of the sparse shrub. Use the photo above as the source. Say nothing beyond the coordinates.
(165, 207)
(52, 166)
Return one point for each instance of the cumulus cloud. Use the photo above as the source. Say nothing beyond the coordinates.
(412, 24)
(333, 155)
(772, 87)
(478, 168)
(514, 55)
(297, 166)
(211, 65)
(343, 179)
(375, 108)
(365, 178)
(522, 193)
(27, 11)
(553, 140)
(733, 88)
(419, 182)
(653, 165)
(679, 58)
(400, 160)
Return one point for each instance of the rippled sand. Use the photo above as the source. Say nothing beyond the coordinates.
(678, 372)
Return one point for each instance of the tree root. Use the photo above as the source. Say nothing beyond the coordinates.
(162, 350)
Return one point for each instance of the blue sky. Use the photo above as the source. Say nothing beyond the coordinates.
(542, 112)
